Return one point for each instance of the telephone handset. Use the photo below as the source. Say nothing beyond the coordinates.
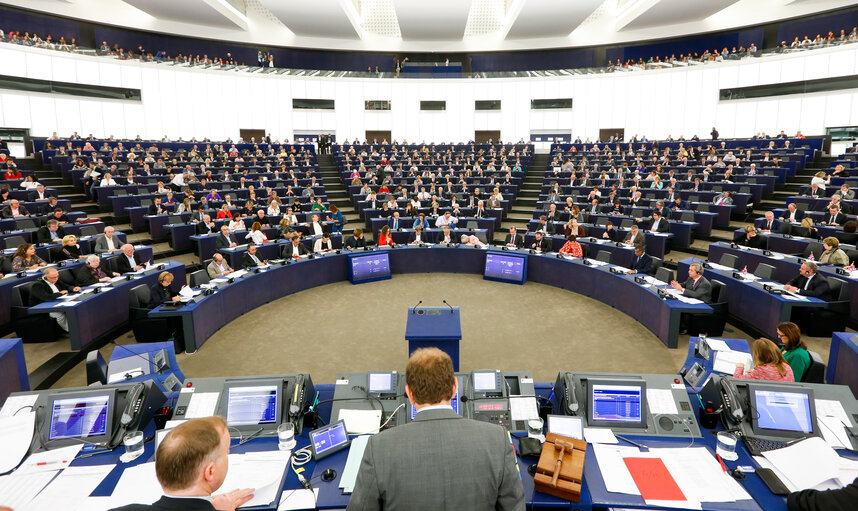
(571, 398)
(129, 419)
(733, 412)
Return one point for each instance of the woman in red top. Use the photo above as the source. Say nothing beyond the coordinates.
(12, 173)
(224, 212)
(384, 237)
(769, 361)
(384, 189)
(572, 247)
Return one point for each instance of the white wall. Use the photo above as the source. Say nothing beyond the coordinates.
(197, 103)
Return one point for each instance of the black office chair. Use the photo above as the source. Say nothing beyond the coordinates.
(145, 203)
(687, 216)
(206, 264)
(198, 278)
(729, 260)
(13, 242)
(765, 271)
(712, 325)
(31, 327)
(472, 225)
(786, 227)
(816, 372)
(664, 274)
(824, 322)
(604, 256)
(6, 264)
(96, 368)
(655, 266)
(146, 329)
(815, 248)
(88, 230)
(625, 223)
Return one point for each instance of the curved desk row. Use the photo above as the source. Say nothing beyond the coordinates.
(208, 314)
(622, 254)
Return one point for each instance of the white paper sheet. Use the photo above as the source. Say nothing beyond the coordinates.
(17, 490)
(718, 345)
(54, 459)
(69, 489)
(523, 408)
(831, 408)
(599, 436)
(833, 432)
(350, 471)
(262, 471)
(566, 426)
(725, 361)
(137, 485)
(360, 422)
(16, 438)
(614, 471)
(807, 464)
(298, 499)
(202, 404)
(660, 401)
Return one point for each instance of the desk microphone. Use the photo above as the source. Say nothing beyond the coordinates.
(414, 309)
(448, 305)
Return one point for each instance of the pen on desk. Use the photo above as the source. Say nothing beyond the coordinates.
(642, 446)
(721, 461)
(48, 463)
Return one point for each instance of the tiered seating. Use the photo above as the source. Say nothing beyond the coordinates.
(440, 177)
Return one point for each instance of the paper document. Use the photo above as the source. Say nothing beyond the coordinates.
(120, 376)
(720, 266)
(523, 408)
(137, 485)
(298, 499)
(599, 436)
(361, 422)
(262, 471)
(17, 490)
(50, 460)
(833, 432)
(350, 472)
(16, 438)
(831, 408)
(202, 404)
(660, 401)
(96, 504)
(614, 472)
(718, 345)
(810, 463)
(187, 292)
(69, 489)
(699, 475)
(566, 426)
(725, 361)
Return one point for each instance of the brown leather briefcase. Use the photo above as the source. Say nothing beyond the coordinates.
(560, 469)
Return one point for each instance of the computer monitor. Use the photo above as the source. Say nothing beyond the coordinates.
(81, 415)
(382, 384)
(505, 267)
(329, 439)
(787, 412)
(253, 402)
(369, 267)
(616, 403)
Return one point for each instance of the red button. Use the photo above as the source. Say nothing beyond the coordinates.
(189, 384)
(676, 380)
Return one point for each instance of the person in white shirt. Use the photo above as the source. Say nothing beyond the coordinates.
(179, 180)
(237, 224)
(419, 237)
(107, 242)
(323, 244)
(447, 220)
(107, 180)
(314, 226)
(256, 235)
(292, 218)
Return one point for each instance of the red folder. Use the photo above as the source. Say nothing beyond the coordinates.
(653, 479)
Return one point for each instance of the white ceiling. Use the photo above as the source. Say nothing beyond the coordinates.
(433, 25)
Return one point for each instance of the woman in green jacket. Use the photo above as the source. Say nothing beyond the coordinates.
(795, 350)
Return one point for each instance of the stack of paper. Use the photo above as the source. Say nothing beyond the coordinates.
(726, 361)
(69, 489)
(17, 490)
(350, 472)
(16, 438)
(808, 464)
(260, 470)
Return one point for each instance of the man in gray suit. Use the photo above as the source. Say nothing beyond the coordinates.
(696, 286)
(107, 242)
(439, 461)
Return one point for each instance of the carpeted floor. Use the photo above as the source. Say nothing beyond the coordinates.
(355, 328)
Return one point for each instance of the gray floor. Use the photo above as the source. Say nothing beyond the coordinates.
(354, 328)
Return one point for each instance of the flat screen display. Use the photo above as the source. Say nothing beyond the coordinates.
(329, 439)
(380, 382)
(252, 405)
(505, 267)
(372, 266)
(485, 381)
(79, 417)
(617, 403)
(782, 410)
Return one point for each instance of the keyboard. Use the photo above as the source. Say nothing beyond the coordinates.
(759, 445)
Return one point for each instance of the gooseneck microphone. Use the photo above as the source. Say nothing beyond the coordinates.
(448, 305)
(414, 309)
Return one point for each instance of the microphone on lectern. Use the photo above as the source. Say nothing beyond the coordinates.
(448, 305)
(414, 309)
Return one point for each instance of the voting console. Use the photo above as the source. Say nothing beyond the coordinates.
(481, 395)
(647, 404)
(249, 404)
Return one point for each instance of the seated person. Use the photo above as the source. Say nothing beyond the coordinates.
(69, 249)
(314, 228)
(843, 499)
(809, 282)
(49, 288)
(421, 237)
(642, 262)
(769, 363)
(256, 235)
(634, 237)
(541, 243)
(769, 224)
(14, 210)
(205, 227)
(107, 242)
(834, 216)
(513, 239)
(696, 286)
(128, 261)
(849, 234)
(794, 349)
(657, 223)
(218, 267)
(384, 237)
(445, 237)
(572, 247)
(25, 258)
(51, 232)
(323, 244)
(611, 233)
(833, 254)
(751, 239)
(572, 227)
(470, 239)
(250, 259)
(356, 240)
(225, 239)
(792, 214)
(92, 272)
(156, 208)
(421, 220)
(395, 223)
(295, 249)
